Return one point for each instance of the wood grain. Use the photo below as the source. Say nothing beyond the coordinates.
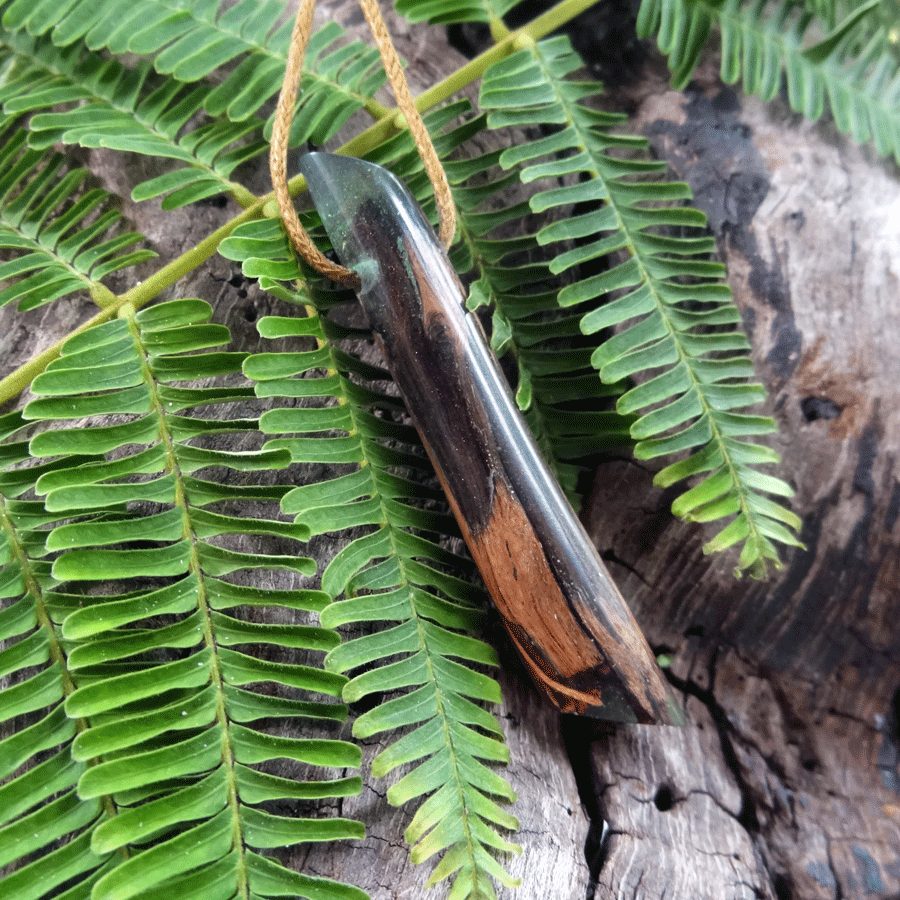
(566, 618)
(799, 672)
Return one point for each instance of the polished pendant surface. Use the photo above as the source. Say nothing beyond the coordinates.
(559, 604)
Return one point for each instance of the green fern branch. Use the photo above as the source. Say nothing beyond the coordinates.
(171, 743)
(853, 69)
(689, 404)
(118, 108)
(393, 573)
(438, 12)
(39, 807)
(127, 109)
(60, 246)
(189, 41)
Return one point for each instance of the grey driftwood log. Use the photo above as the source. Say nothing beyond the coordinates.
(785, 784)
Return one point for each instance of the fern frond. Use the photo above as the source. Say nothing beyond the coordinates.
(192, 37)
(442, 12)
(64, 239)
(125, 109)
(173, 737)
(824, 9)
(112, 106)
(683, 330)
(394, 573)
(41, 814)
(851, 72)
(191, 40)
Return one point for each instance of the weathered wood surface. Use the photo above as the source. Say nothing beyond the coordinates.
(790, 790)
(554, 825)
(785, 785)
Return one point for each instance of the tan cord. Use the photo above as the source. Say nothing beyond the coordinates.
(281, 129)
(284, 114)
(442, 195)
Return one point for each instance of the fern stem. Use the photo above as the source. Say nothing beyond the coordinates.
(196, 570)
(647, 277)
(244, 198)
(540, 27)
(141, 294)
(498, 28)
(138, 296)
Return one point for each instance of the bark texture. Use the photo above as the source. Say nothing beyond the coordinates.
(788, 786)
(785, 783)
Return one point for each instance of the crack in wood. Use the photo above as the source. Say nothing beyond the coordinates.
(746, 817)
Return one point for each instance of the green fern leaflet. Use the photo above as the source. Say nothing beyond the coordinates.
(170, 746)
(681, 331)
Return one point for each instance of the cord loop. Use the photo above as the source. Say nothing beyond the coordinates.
(281, 128)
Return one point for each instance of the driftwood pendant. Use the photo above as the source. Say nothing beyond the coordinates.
(562, 610)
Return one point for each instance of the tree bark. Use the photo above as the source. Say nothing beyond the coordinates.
(785, 783)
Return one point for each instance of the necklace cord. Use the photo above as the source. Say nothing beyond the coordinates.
(284, 115)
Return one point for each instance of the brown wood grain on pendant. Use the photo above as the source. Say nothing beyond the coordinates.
(529, 599)
(562, 610)
(582, 663)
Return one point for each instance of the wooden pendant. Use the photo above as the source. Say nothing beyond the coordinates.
(562, 610)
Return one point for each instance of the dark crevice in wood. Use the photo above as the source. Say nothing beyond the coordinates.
(578, 735)
(782, 888)
(796, 732)
(746, 816)
(894, 718)
(610, 556)
(469, 38)
(663, 798)
(888, 760)
(893, 509)
(838, 890)
(797, 588)
(595, 853)
(815, 408)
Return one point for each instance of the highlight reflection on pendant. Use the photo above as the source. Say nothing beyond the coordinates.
(562, 610)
